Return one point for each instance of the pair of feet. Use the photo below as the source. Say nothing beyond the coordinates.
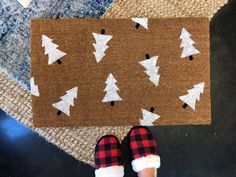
(143, 147)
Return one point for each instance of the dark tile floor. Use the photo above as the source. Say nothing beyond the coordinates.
(186, 151)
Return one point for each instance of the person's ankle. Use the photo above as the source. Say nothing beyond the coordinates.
(148, 172)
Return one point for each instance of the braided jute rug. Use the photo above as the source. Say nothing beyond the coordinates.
(80, 142)
(163, 8)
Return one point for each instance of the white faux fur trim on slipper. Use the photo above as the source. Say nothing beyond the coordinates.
(112, 171)
(150, 161)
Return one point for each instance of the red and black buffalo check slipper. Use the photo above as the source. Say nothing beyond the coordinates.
(143, 149)
(108, 157)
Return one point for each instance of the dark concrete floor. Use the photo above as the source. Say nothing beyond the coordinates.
(186, 151)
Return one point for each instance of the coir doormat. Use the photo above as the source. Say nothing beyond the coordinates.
(89, 72)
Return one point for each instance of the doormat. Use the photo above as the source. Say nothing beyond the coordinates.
(89, 72)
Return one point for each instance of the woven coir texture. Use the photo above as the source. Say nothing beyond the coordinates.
(163, 8)
(127, 47)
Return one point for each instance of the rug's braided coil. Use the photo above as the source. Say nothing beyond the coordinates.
(80, 142)
(163, 8)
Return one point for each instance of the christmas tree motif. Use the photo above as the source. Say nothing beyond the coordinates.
(111, 90)
(151, 69)
(141, 21)
(34, 90)
(187, 44)
(66, 101)
(148, 117)
(193, 95)
(100, 45)
(54, 54)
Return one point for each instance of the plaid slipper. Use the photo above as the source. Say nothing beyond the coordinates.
(143, 149)
(108, 157)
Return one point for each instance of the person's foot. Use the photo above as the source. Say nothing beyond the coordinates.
(108, 157)
(145, 158)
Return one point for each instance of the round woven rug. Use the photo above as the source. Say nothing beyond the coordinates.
(80, 142)
(163, 8)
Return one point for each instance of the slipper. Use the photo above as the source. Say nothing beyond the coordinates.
(143, 149)
(108, 157)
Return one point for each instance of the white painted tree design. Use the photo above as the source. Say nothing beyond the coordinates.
(34, 90)
(66, 101)
(100, 45)
(141, 21)
(151, 69)
(193, 95)
(25, 3)
(148, 118)
(51, 50)
(111, 90)
(187, 44)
